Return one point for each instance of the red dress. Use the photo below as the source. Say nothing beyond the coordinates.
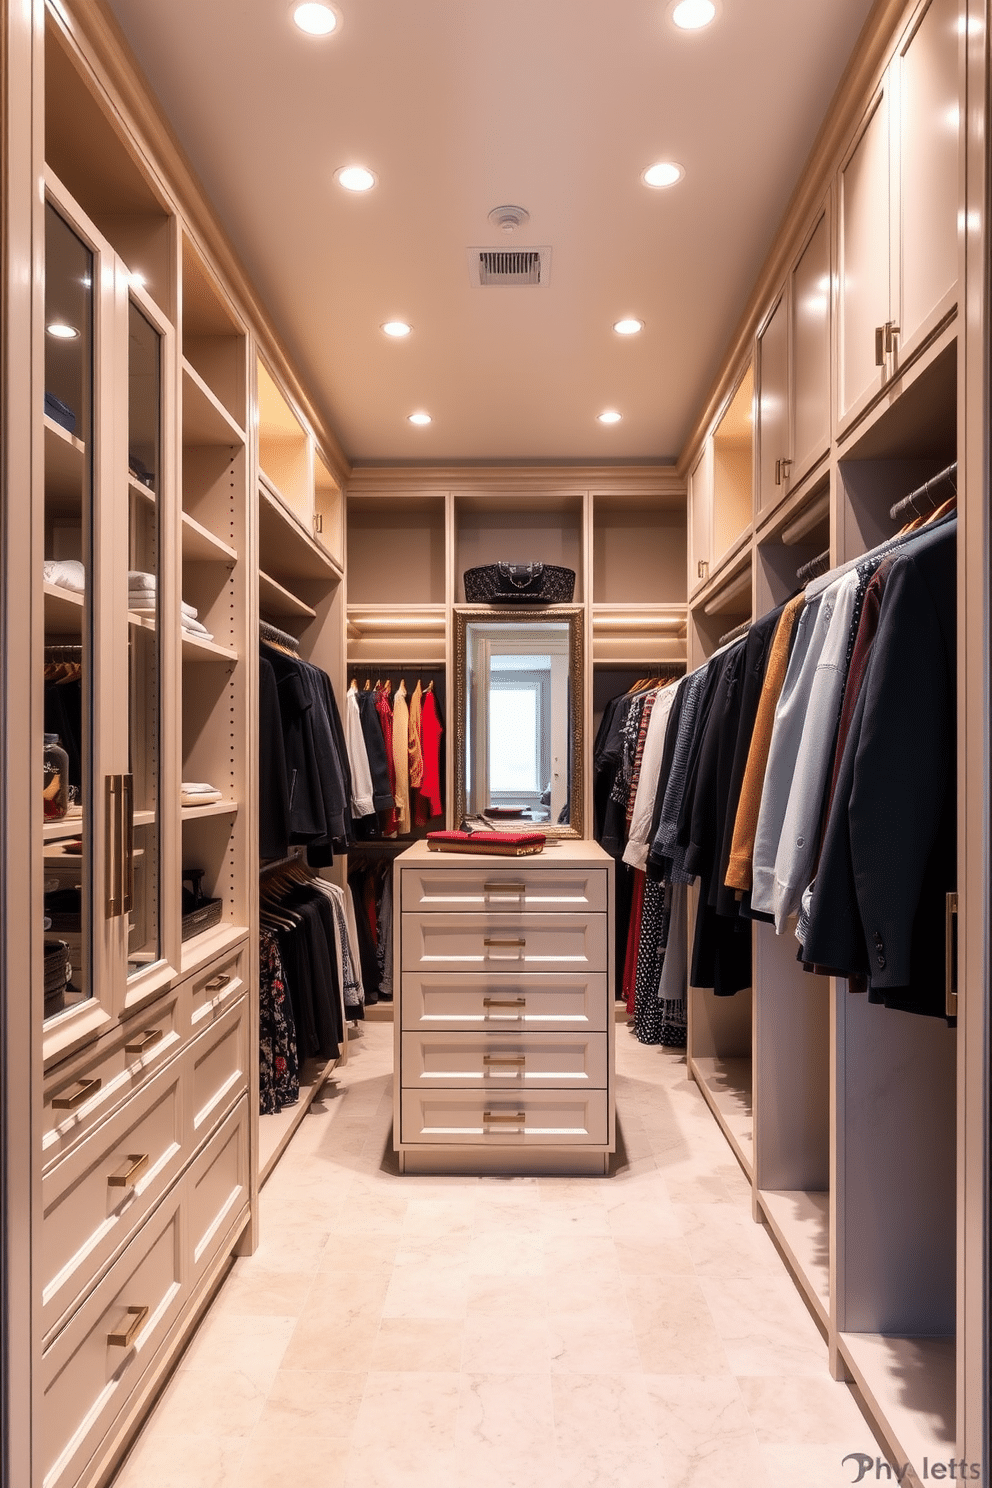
(429, 802)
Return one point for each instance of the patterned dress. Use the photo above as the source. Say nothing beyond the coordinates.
(279, 1071)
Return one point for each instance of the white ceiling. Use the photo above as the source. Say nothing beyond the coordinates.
(460, 106)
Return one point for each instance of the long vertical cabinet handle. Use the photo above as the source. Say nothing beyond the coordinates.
(112, 844)
(127, 843)
(951, 956)
(880, 346)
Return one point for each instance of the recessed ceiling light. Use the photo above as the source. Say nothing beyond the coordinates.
(663, 173)
(693, 15)
(315, 19)
(355, 178)
(609, 416)
(397, 328)
(419, 418)
(61, 331)
(628, 327)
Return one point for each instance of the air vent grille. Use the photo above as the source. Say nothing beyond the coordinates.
(502, 266)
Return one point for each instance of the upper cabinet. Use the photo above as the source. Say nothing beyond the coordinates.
(898, 227)
(721, 487)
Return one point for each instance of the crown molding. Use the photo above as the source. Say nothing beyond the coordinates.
(613, 480)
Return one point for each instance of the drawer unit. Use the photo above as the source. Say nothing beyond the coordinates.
(501, 889)
(504, 1061)
(83, 1091)
(218, 1190)
(94, 1199)
(546, 1001)
(504, 1035)
(500, 942)
(99, 1357)
(535, 1118)
(218, 1061)
(215, 988)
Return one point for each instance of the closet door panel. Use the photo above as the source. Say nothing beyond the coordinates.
(502, 942)
(811, 352)
(929, 136)
(538, 1000)
(701, 518)
(504, 1061)
(774, 443)
(864, 267)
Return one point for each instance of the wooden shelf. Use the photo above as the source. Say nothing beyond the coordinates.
(213, 808)
(145, 492)
(726, 1086)
(275, 600)
(197, 649)
(65, 464)
(800, 1222)
(67, 826)
(276, 1131)
(213, 942)
(63, 611)
(205, 419)
(290, 552)
(201, 545)
(909, 1386)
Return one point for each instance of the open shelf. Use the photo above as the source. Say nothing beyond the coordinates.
(909, 1386)
(212, 337)
(726, 1087)
(202, 546)
(801, 1225)
(275, 1131)
(197, 649)
(213, 808)
(63, 611)
(274, 599)
(138, 488)
(284, 448)
(66, 826)
(289, 550)
(205, 419)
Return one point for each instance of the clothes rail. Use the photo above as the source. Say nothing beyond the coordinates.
(735, 634)
(922, 500)
(277, 637)
(814, 568)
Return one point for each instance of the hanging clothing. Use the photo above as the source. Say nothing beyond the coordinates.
(415, 747)
(430, 802)
(362, 803)
(401, 760)
(279, 1074)
(384, 712)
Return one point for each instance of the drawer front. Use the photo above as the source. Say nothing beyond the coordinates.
(89, 1374)
(535, 1118)
(479, 942)
(536, 1000)
(217, 987)
(504, 1061)
(97, 1196)
(218, 1061)
(516, 889)
(218, 1189)
(86, 1089)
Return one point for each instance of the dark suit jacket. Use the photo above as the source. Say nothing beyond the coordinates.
(889, 853)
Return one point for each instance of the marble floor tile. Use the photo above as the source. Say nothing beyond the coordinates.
(428, 1290)
(506, 1345)
(803, 1410)
(704, 1432)
(505, 1432)
(603, 1432)
(603, 1342)
(508, 1296)
(305, 1461)
(166, 1460)
(819, 1467)
(253, 1290)
(418, 1344)
(406, 1431)
(313, 1402)
(210, 1403)
(256, 1345)
(724, 1241)
(675, 1330)
(764, 1325)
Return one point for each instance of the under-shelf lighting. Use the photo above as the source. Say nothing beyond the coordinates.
(355, 178)
(662, 174)
(316, 19)
(61, 331)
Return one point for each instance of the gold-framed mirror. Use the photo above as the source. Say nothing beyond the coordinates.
(519, 717)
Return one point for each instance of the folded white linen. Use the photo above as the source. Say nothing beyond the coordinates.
(67, 573)
(193, 627)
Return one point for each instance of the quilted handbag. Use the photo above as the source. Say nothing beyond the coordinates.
(519, 583)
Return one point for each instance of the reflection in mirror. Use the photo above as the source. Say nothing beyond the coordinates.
(519, 718)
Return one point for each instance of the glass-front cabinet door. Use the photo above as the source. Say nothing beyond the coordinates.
(108, 617)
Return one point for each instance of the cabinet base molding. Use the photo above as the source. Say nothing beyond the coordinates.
(545, 1162)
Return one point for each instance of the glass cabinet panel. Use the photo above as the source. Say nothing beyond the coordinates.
(144, 636)
(68, 811)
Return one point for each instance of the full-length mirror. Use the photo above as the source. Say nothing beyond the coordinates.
(519, 711)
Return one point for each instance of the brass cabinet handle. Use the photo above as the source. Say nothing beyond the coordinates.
(504, 888)
(951, 956)
(491, 940)
(127, 844)
(137, 1162)
(112, 840)
(703, 569)
(138, 1316)
(891, 332)
(215, 983)
(519, 1059)
(880, 346)
(509, 1002)
(782, 471)
(146, 1040)
(492, 1118)
(84, 1089)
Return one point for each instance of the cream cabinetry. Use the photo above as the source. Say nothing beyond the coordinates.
(504, 1031)
(898, 193)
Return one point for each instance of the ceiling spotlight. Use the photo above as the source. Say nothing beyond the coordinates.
(355, 178)
(315, 19)
(663, 173)
(693, 15)
(609, 416)
(397, 328)
(61, 331)
(628, 327)
(419, 419)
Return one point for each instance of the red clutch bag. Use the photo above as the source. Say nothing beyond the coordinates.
(498, 844)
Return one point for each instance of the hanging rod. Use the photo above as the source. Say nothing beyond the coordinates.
(814, 567)
(924, 494)
(278, 637)
(735, 634)
(818, 511)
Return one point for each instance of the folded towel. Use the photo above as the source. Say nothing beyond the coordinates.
(199, 797)
(67, 573)
(193, 786)
(193, 627)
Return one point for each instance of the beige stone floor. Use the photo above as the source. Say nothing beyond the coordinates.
(637, 1331)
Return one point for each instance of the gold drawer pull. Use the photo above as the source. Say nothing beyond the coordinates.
(499, 1059)
(136, 1163)
(215, 983)
(145, 1041)
(491, 1118)
(138, 1316)
(490, 940)
(84, 1088)
(504, 888)
(510, 1002)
